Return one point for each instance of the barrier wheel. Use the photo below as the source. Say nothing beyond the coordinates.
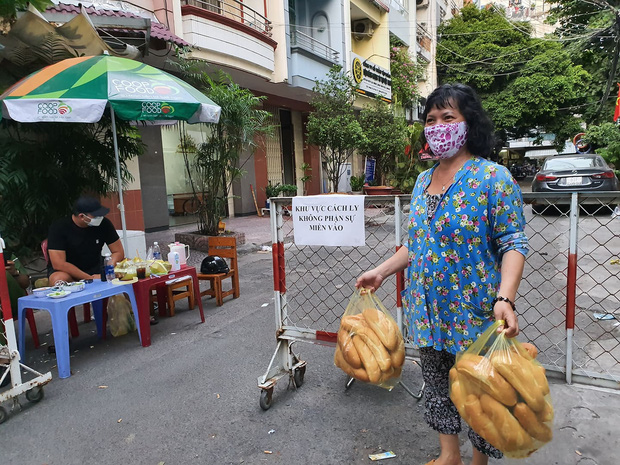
(298, 376)
(3, 415)
(35, 394)
(266, 398)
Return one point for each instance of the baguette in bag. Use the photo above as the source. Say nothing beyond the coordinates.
(370, 347)
(502, 392)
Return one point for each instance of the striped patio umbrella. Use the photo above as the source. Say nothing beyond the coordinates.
(77, 90)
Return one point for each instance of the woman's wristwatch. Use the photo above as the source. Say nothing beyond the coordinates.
(503, 299)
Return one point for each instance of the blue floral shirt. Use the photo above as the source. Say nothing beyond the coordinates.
(455, 257)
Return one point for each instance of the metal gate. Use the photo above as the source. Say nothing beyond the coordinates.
(568, 299)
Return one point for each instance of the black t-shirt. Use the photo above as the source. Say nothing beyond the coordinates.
(82, 245)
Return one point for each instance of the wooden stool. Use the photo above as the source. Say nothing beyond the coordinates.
(174, 294)
(225, 247)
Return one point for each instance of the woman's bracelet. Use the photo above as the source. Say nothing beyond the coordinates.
(503, 299)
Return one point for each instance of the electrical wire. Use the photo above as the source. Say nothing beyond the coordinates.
(509, 73)
(545, 38)
(489, 58)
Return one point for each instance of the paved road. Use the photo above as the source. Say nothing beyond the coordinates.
(192, 398)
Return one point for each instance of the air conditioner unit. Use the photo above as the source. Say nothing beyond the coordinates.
(362, 29)
(421, 3)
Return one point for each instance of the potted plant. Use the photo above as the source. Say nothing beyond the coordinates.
(271, 191)
(385, 137)
(357, 183)
(289, 190)
(216, 162)
(332, 126)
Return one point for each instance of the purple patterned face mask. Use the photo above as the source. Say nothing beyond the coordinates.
(445, 140)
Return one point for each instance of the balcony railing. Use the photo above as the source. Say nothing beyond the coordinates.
(453, 8)
(304, 41)
(401, 6)
(235, 10)
(423, 37)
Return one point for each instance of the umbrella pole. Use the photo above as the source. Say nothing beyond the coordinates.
(121, 206)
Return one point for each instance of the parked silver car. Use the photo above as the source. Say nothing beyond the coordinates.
(575, 173)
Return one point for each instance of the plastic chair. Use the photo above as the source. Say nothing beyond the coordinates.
(225, 247)
(33, 327)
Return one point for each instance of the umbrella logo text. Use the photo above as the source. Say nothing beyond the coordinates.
(153, 109)
(53, 108)
(125, 86)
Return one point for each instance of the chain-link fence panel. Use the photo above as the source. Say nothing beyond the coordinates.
(320, 280)
(541, 300)
(596, 338)
(568, 301)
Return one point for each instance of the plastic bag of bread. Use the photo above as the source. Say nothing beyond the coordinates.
(501, 391)
(370, 346)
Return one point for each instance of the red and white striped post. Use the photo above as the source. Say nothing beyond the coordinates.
(7, 319)
(571, 284)
(400, 276)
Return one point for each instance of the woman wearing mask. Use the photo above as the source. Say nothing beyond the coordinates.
(464, 256)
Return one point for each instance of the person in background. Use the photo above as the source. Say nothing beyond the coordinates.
(74, 244)
(17, 280)
(464, 256)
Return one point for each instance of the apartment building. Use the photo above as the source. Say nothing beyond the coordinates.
(275, 48)
(534, 12)
(429, 15)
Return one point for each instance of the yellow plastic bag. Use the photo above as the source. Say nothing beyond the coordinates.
(370, 346)
(120, 315)
(502, 392)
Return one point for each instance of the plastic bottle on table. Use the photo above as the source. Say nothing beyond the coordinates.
(109, 268)
(156, 251)
(175, 261)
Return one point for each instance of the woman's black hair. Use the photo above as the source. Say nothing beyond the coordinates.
(480, 134)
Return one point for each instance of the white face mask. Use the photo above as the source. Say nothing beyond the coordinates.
(96, 221)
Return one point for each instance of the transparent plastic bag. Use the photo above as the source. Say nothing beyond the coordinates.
(120, 315)
(370, 346)
(502, 392)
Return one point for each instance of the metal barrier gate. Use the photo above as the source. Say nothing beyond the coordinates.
(567, 303)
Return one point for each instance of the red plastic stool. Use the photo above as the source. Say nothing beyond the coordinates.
(33, 328)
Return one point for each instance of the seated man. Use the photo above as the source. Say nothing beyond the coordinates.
(74, 244)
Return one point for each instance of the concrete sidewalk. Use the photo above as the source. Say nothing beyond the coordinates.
(256, 230)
